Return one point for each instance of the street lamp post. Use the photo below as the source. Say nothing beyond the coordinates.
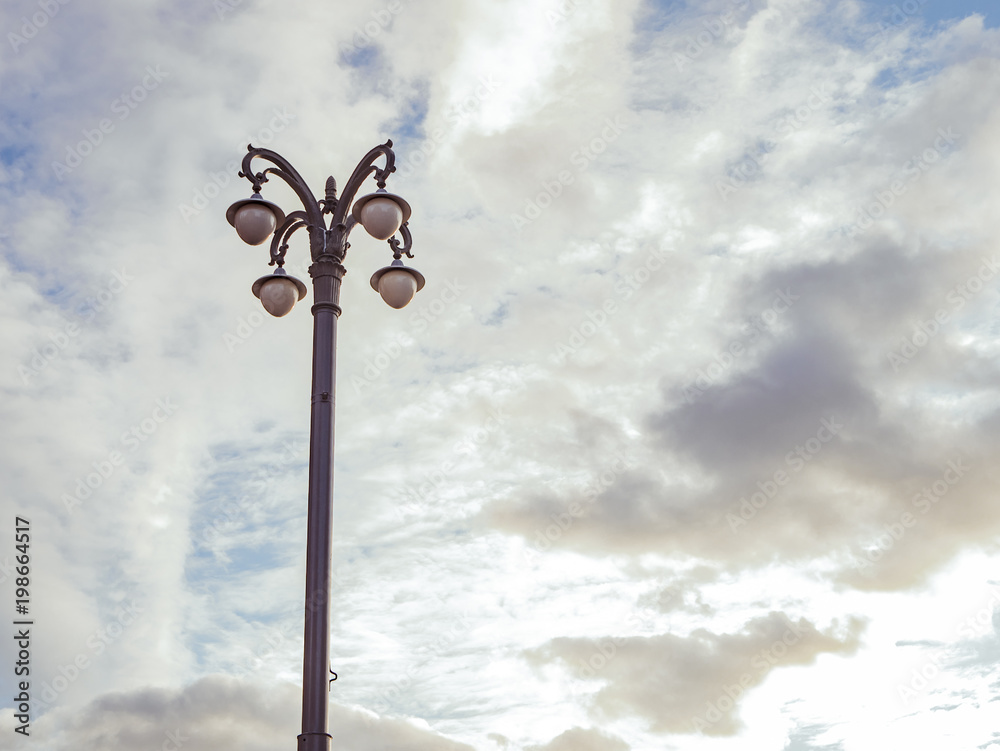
(382, 214)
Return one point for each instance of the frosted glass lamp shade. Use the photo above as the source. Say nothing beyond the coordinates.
(381, 218)
(278, 292)
(254, 224)
(397, 284)
(279, 297)
(254, 219)
(397, 288)
(381, 213)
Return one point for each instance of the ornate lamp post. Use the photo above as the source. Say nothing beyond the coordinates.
(382, 214)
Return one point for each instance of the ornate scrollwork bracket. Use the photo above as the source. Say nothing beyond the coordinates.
(323, 239)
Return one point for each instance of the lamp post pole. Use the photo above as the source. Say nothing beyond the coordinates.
(382, 214)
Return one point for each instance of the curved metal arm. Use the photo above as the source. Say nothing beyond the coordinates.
(398, 252)
(365, 167)
(286, 172)
(279, 241)
(322, 241)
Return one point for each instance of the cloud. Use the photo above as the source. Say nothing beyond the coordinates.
(695, 683)
(786, 446)
(583, 739)
(216, 712)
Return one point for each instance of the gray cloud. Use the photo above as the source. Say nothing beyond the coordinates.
(583, 739)
(216, 712)
(746, 427)
(695, 683)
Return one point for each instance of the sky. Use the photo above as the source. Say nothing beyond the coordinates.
(689, 442)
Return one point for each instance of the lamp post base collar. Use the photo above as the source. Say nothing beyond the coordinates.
(315, 742)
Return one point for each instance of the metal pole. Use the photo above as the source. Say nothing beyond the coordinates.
(328, 247)
(327, 273)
